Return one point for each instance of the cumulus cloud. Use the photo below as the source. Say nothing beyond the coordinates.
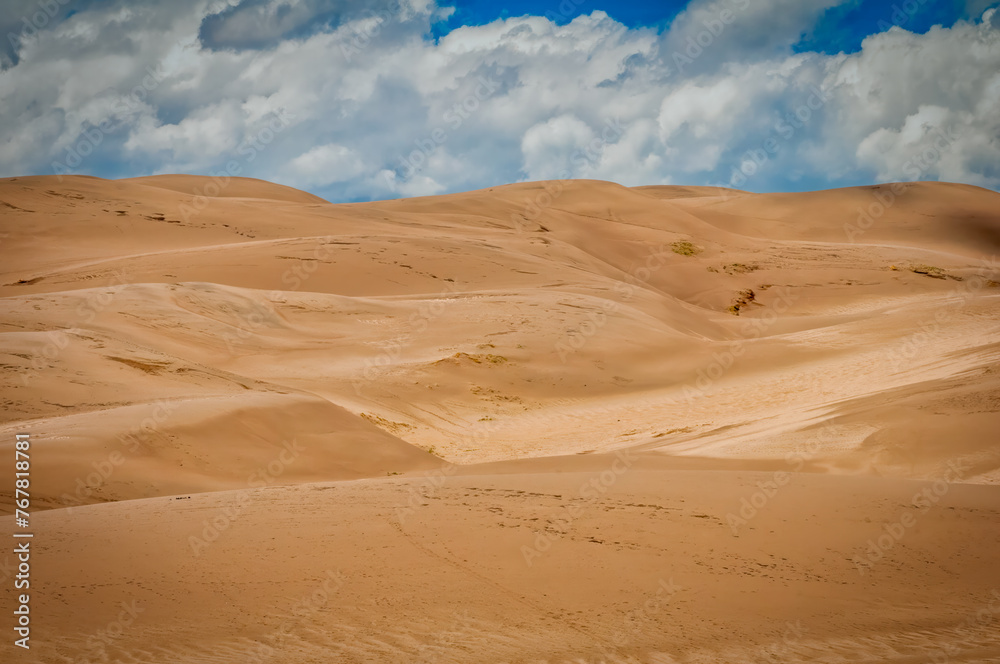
(903, 91)
(356, 105)
(714, 32)
(257, 24)
(326, 164)
(549, 146)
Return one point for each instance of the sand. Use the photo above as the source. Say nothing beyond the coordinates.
(543, 422)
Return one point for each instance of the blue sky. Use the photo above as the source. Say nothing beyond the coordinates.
(840, 28)
(631, 14)
(357, 100)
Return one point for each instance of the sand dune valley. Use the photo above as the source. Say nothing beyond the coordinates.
(550, 422)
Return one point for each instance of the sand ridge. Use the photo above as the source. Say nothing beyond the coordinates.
(541, 422)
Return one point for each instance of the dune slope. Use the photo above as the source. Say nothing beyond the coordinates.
(525, 320)
(543, 422)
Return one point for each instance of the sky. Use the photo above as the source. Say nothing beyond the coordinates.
(357, 101)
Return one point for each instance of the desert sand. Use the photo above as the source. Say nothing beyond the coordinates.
(543, 422)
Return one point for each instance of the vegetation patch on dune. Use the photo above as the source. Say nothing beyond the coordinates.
(388, 425)
(685, 248)
(743, 298)
(929, 270)
(491, 394)
(739, 268)
(933, 272)
(487, 358)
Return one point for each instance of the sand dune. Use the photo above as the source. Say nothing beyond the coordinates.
(408, 394)
(405, 571)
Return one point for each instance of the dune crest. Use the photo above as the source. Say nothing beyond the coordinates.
(654, 424)
(526, 320)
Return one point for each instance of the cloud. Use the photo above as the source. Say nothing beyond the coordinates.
(713, 32)
(371, 107)
(548, 147)
(258, 24)
(904, 91)
(22, 20)
(326, 164)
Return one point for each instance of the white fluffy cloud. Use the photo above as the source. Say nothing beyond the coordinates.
(714, 32)
(326, 164)
(912, 92)
(549, 147)
(364, 105)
